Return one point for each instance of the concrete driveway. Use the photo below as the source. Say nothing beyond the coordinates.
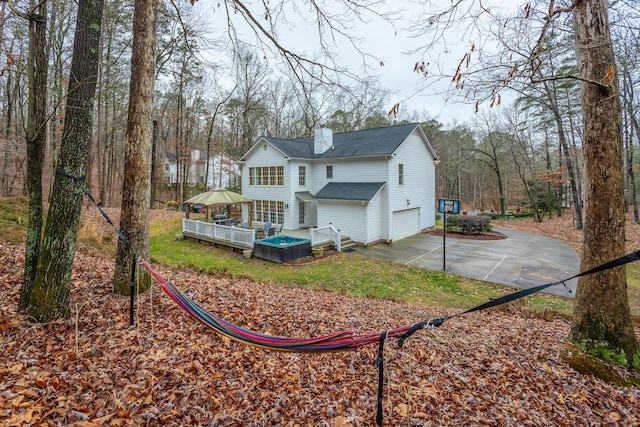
(522, 260)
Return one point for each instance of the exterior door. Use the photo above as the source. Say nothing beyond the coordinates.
(302, 213)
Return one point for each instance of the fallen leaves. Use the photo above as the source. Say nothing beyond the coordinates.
(563, 228)
(499, 368)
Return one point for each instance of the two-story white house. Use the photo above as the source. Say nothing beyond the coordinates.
(374, 185)
(223, 170)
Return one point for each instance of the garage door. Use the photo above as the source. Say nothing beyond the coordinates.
(406, 223)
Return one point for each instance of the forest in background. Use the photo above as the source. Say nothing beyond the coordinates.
(502, 143)
(525, 155)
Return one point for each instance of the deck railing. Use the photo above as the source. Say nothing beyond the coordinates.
(235, 236)
(321, 235)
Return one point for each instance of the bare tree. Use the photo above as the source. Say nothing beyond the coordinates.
(492, 150)
(37, 66)
(601, 316)
(601, 311)
(134, 217)
(49, 299)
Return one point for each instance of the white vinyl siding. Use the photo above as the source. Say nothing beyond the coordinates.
(349, 218)
(348, 170)
(361, 221)
(418, 190)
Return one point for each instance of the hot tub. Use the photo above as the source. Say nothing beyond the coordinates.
(281, 248)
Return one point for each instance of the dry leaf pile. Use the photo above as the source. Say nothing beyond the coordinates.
(563, 228)
(490, 368)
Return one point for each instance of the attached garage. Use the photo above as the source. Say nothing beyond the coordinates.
(406, 223)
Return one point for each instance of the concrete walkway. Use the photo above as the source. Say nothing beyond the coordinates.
(522, 260)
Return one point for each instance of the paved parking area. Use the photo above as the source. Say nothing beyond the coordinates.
(522, 260)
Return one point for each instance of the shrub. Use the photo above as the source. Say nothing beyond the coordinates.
(468, 224)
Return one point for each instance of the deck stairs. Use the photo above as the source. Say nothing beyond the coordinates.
(347, 243)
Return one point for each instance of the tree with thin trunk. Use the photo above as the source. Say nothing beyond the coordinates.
(35, 136)
(492, 150)
(601, 316)
(134, 217)
(49, 299)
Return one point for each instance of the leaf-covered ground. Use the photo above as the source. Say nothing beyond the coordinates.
(491, 368)
(563, 228)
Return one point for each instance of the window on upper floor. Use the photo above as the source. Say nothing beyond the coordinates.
(302, 175)
(401, 174)
(272, 175)
(329, 171)
(266, 176)
(280, 175)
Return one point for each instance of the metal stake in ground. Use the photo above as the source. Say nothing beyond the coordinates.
(132, 287)
(444, 241)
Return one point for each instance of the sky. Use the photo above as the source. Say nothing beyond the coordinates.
(388, 44)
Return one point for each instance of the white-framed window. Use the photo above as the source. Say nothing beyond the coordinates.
(268, 210)
(266, 175)
(302, 176)
(329, 171)
(401, 174)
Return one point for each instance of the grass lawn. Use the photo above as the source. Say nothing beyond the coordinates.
(350, 274)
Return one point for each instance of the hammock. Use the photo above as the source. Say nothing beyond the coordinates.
(337, 341)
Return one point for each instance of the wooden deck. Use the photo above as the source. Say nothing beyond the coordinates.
(234, 237)
(242, 238)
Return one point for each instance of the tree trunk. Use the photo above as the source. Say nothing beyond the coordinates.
(4, 171)
(154, 148)
(601, 317)
(50, 297)
(636, 127)
(36, 136)
(631, 174)
(136, 191)
(569, 161)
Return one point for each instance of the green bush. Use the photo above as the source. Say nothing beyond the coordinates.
(508, 215)
(468, 224)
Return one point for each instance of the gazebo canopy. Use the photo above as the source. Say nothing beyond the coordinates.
(219, 196)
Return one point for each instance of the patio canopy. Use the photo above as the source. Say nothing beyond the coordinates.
(219, 196)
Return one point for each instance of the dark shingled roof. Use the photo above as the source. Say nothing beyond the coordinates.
(361, 143)
(359, 191)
